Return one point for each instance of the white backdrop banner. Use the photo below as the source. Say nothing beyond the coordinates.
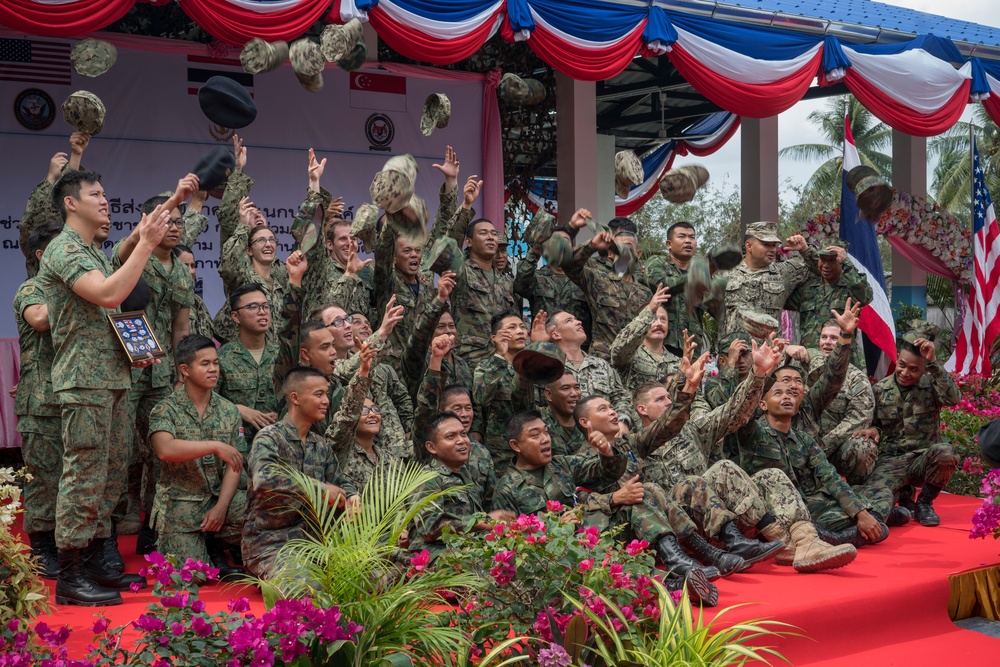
(155, 133)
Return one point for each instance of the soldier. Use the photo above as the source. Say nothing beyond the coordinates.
(614, 300)
(670, 271)
(90, 378)
(385, 381)
(759, 282)
(638, 353)
(246, 363)
(37, 411)
(501, 260)
(446, 440)
(200, 321)
(198, 437)
(837, 282)
(735, 363)
(370, 448)
(272, 496)
(562, 395)
(907, 428)
(538, 477)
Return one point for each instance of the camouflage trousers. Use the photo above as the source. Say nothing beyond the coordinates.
(934, 465)
(782, 499)
(42, 449)
(740, 494)
(854, 459)
(95, 428)
(827, 512)
(143, 464)
(700, 501)
(178, 523)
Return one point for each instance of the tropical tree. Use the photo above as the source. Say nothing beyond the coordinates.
(872, 137)
(952, 184)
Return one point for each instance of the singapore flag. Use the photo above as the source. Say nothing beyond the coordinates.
(382, 92)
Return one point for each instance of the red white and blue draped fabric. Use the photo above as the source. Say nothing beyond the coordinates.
(239, 21)
(980, 324)
(61, 18)
(876, 321)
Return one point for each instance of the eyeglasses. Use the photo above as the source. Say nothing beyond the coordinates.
(178, 223)
(339, 322)
(257, 307)
(372, 410)
(267, 240)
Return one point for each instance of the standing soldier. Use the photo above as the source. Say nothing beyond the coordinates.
(200, 320)
(639, 353)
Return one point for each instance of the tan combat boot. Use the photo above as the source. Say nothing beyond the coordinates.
(814, 555)
(773, 532)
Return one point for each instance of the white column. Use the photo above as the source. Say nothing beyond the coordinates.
(576, 146)
(759, 170)
(909, 174)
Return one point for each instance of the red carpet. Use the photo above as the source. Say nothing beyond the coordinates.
(889, 607)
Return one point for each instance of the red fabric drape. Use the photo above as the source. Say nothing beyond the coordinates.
(235, 25)
(745, 99)
(903, 118)
(69, 20)
(992, 106)
(419, 46)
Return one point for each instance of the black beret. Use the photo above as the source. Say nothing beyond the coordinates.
(213, 168)
(227, 103)
(139, 298)
(989, 443)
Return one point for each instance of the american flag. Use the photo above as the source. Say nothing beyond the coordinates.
(35, 61)
(980, 324)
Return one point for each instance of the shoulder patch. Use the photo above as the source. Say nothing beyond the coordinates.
(28, 290)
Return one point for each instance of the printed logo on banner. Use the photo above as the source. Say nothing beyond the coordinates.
(34, 109)
(220, 133)
(380, 132)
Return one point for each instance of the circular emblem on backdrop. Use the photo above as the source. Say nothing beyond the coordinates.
(380, 131)
(34, 109)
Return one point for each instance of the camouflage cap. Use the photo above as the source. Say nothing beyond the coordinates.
(540, 362)
(989, 443)
(758, 325)
(85, 112)
(502, 239)
(391, 190)
(411, 220)
(628, 172)
(406, 164)
(699, 281)
(539, 229)
(764, 231)
(93, 57)
(921, 329)
(259, 56)
(308, 64)
(516, 91)
(445, 255)
(355, 59)
(557, 250)
(364, 225)
(728, 339)
(835, 242)
(437, 113)
(679, 185)
(625, 260)
(725, 257)
(873, 193)
(337, 41)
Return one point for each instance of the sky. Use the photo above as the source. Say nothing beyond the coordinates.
(793, 126)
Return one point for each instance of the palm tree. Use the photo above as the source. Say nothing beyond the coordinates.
(871, 136)
(952, 185)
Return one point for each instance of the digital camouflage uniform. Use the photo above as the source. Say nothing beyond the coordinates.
(38, 210)
(764, 290)
(37, 411)
(565, 440)
(633, 360)
(479, 294)
(613, 301)
(550, 291)
(187, 490)
(236, 269)
(273, 499)
(831, 501)
(661, 270)
(910, 451)
(90, 377)
(851, 410)
(500, 393)
(719, 388)
(200, 320)
(195, 223)
(245, 382)
(458, 510)
(596, 376)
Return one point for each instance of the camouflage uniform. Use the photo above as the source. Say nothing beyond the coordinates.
(633, 360)
(479, 294)
(393, 400)
(195, 223)
(38, 210)
(831, 501)
(750, 498)
(90, 376)
(37, 412)
(565, 440)
(200, 319)
(719, 388)
(550, 291)
(236, 269)
(273, 499)
(613, 301)
(850, 411)
(596, 376)
(909, 420)
(245, 382)
(661, 270)
(500, 393)
(457, 511)
(187, 490)
(764, 290)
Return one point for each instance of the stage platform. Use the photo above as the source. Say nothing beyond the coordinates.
(889, 607)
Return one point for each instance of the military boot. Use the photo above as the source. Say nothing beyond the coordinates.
(678, 563)
(727, 563)
(43, 548)
(926, 516)
(752, 551)
(814, 555)
(75, 587)
(906, 499)
(96, 567)
(850, 535)
(146, 542)
(699, 588)
(112, 556)
(774, 532)
(898, 516)
(217, 555)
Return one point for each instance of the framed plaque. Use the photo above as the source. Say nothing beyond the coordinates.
(135, 335)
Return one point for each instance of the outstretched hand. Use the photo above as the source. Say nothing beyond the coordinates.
(660, 297)
(538, 333)
(848, 320)
(765, 358)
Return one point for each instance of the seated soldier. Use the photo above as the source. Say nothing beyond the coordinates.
(198, 437)
(538, 477)
(272, 497)
(734, 367)
(907, 427)
(562, 396)
(638, 353)
(447, 441)
(371, 447)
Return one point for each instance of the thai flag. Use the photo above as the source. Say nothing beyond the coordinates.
(876, 318)
(980, 324)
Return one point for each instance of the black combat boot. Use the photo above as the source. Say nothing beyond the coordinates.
(727, 563)
(146, 542)
(217, 555)
(906, 499)
(96, 567)
(850, 535)
(898, 516)
(752, 551)
(699, 588)
(75, 587)
(112, 556)
(926, 516)
(678, 563)
(43, 548)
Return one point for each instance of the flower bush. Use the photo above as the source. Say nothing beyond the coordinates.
(23, 595)
(986, 520)
(959, 425)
